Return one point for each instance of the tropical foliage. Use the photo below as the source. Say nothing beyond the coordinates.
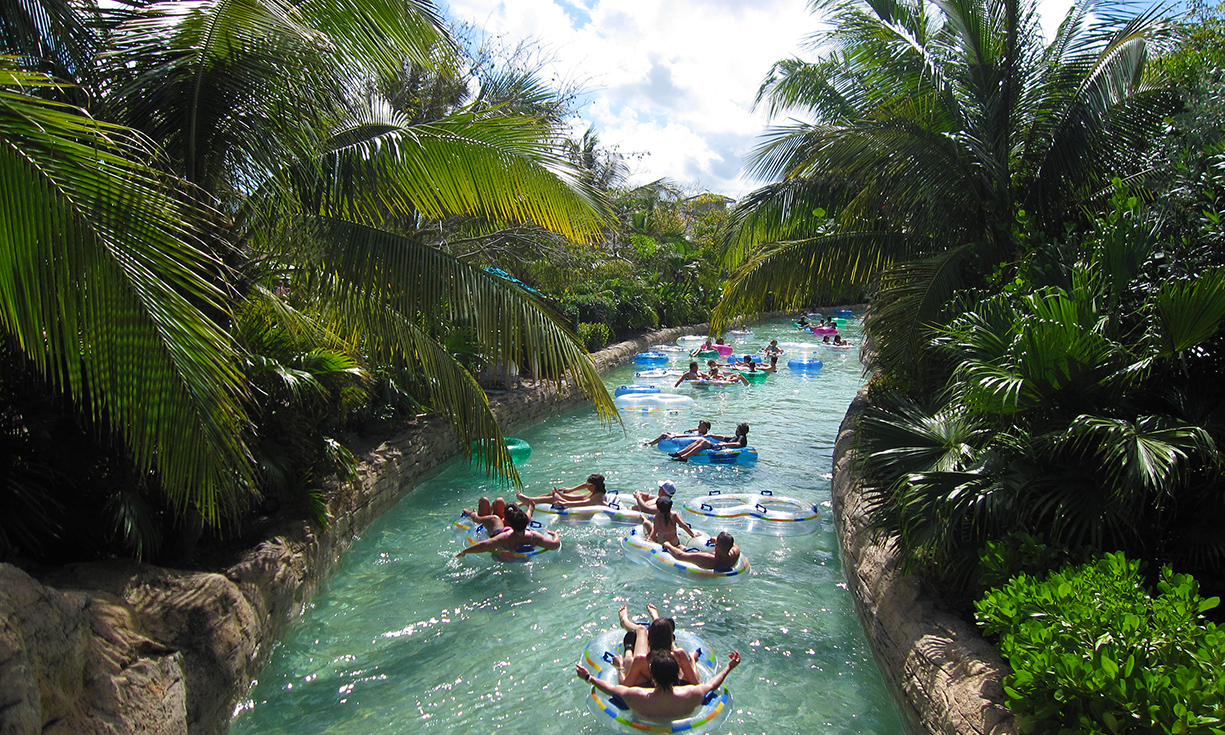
(1092, 651)
(1078, 408)
(922, 131)
(211, 224)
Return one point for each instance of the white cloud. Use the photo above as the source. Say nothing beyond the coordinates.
(673, 81)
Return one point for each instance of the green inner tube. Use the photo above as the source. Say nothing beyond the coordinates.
(519, 449)
(707, 353)
(755, 377)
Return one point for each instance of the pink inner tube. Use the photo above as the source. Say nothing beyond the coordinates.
(724, 350)
(824, 330)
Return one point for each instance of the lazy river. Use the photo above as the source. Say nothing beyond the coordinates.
(404, 638)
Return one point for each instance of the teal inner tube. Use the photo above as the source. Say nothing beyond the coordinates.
(519, 449)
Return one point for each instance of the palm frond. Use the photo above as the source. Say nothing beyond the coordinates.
(488, 165)
(99, 265)
(1190, 312)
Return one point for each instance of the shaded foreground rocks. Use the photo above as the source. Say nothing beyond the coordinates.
(946, 678)
(120, 647)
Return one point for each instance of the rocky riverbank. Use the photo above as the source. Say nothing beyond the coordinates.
(945, 677)
(120, 647)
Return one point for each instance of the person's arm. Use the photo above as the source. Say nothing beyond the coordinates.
(680, 523)
(615, 690)
(489, 544)
(716, 681)
(550, 540)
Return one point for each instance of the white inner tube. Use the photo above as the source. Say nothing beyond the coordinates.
(764, 513)
(616, 715)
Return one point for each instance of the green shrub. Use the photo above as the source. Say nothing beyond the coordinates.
(593, 308)
(1093, 652)
(594, 335)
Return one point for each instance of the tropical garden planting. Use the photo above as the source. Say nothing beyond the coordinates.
(1039, 226)
(236, 235)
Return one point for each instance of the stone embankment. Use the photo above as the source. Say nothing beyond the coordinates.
(119, 647)
(945, 677)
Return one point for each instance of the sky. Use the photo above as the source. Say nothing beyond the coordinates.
(670, 83)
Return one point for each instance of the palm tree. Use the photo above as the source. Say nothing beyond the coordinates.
(246, 142)
(931, 130)
(1068, 416)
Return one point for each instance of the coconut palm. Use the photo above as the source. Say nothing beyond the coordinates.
(1067, 417)
(928, 128)
(264, 110)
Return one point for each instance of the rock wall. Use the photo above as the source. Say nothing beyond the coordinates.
(945, 677)
(120, 647)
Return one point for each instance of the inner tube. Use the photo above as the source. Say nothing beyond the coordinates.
(643, 551)
(635, 389)
(712, 383)
(519, 450)
(690, 339)
(752, 358)
(654, 403)
(825, 330)
(654, 373)
(612, 512)
(763, 513)
(667, 348)
(615, 714)
(843, 312)
(650, 358)
(677, 443)
(754, 376)
(724, 350)
(474, 533)
(707, 354)
(735, 455)
(805, 364)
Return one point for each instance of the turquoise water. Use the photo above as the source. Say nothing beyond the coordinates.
(403, 638)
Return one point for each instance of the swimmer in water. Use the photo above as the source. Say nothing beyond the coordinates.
(722, 559)
(515, 536)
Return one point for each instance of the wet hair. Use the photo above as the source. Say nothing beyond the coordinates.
(748, 358)
(704, 423)
(660, 634)
(516, 518)
(693, 365)
(742, 429)
(664, 505)
(597, 482)
(711, 363)
(724, 541)
(665, 671)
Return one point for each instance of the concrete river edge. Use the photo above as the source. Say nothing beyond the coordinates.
(123, 647)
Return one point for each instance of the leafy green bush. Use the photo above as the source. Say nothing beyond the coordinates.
(1093, 652)
(594, 308)
(594, 335)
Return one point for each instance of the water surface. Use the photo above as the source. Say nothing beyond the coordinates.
(403, 638)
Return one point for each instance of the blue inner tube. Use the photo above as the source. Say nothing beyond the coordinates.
(677, 443)
(624, 389)
(650, 358)
(805, 364)
(738, 455)
(843, 312)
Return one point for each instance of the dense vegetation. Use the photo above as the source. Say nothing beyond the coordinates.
(235, 237)
(1040, 227)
